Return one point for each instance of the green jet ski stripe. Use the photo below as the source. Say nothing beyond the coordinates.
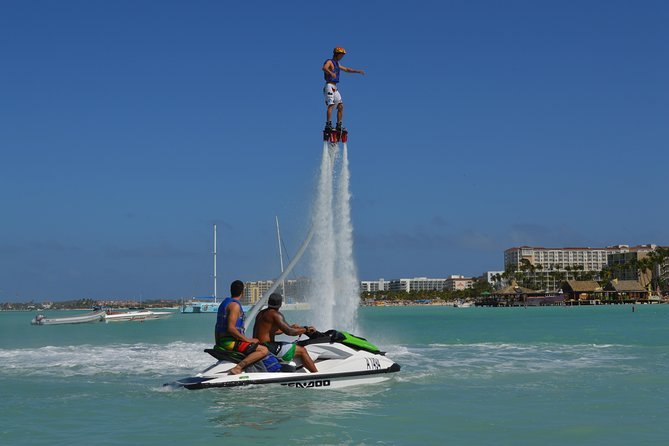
(360, 343)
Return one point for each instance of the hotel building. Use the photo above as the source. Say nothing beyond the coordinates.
(371, 286)
(457, 283)
(490, 276)
(296, 290)
(628, 257)
(253, 291)
(549, 267)
(418, 284)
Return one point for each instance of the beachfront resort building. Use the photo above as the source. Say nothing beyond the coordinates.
(584, 259)
(417, 284)
(624, 264)
(492, 277)
(453, 282)
(295, 290)
(253, 291)
(458, 283)
(547, 268)
(371, 286)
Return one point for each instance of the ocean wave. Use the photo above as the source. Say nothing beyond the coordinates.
(496, 360)
(425, 363)
(114, 359)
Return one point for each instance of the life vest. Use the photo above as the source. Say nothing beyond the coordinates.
(271, 363)
(222, 318)
(330, 79)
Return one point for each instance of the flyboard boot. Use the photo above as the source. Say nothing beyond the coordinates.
(342, 133)
(328, 131)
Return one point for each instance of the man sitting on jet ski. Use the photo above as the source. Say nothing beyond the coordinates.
(229, 331)
(270, 322)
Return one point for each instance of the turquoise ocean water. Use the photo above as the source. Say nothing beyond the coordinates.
(470, 376)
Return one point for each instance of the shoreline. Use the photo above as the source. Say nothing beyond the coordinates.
(408, 303)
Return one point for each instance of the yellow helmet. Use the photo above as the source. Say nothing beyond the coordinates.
(339, 50)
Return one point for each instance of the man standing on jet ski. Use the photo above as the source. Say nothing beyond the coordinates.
(270, 322)
(229, 332)
(331, 69)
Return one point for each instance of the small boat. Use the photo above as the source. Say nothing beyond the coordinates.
(304, 306)
(208, 304)
(201, 305)
(95, 316)
(141, 315)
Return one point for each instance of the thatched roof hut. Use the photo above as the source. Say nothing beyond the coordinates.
(514, 290)
(626, 290)
(582, 290)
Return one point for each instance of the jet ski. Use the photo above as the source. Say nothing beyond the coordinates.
(342, 360)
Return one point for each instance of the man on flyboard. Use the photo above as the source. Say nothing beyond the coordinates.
(331, 70)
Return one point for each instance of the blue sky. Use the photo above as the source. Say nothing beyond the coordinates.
(128, 128)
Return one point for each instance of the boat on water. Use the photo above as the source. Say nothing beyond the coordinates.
(303, 306)
(342, 360)
(138, 315)
(208, 304)
(95, 316)
(200, 305)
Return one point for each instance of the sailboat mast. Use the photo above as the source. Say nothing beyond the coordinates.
(278, 237)
(215, 301)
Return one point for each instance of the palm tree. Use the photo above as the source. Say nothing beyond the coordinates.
(646, 268)
(655, 261)
(606, 275)
(568, 272)
(526, 265)
(498, 279)
(560, 277)
(527, 275)
(618, 270)
(662, 257)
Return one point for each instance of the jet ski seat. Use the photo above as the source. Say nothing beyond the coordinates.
(225, 355)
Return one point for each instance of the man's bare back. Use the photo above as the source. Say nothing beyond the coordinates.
(269, 323)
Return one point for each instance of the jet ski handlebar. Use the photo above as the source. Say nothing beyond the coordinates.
(326, 337)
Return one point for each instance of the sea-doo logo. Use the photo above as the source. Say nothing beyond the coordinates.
(304, 385)
(373, 364)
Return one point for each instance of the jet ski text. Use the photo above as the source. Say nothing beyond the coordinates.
(321, 383)
(373, 364)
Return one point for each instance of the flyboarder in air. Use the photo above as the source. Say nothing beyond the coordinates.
(331, 69)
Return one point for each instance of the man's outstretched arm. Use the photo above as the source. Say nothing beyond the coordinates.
(287, 329)
(351, 70)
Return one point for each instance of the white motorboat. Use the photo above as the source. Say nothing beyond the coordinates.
(342, 360)
(95, 316)
(140, 315)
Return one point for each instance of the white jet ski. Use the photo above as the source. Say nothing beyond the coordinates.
(341, 358)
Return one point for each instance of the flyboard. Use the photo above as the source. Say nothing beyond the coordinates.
(333, 136)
